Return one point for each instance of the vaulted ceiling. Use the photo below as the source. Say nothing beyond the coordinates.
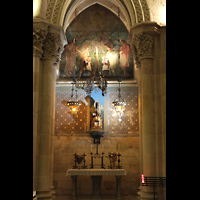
(62, 12)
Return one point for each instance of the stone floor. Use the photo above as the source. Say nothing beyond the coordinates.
(87, 197)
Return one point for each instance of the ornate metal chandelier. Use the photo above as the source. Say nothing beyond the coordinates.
(119, 105)
(93, 81)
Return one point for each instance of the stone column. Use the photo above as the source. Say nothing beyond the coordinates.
(51, 48)
(55, 67)
(96, 187)
(74, 187)
(118, 187)
(39, 35)
(143, 41)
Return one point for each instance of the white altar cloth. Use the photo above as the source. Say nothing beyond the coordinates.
(96, 175)
(96, 172)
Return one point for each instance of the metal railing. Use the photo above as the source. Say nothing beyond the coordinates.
(154, 181)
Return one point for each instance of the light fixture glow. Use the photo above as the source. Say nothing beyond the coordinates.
(74, 103)
(142, 178)
(119, 105)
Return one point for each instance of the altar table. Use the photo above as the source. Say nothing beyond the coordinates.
(96, 175)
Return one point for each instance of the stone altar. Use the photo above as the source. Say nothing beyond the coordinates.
(96, 176)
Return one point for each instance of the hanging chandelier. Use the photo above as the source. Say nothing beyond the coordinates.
(74, 103)
(93, 81)
(119, 104)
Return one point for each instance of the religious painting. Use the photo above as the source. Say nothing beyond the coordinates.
(97, 42)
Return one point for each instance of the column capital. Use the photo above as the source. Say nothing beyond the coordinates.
(48, 40)
(142, 39)
(54, 44)
(40, 30)
(143, 46)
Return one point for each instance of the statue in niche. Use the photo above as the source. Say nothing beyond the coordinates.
(97, 121)
(124, 57)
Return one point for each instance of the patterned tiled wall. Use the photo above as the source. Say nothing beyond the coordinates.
(64, 121)
(129, 124)
(66, 124)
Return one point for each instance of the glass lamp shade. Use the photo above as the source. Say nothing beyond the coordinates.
(119, 108)
(74, 106)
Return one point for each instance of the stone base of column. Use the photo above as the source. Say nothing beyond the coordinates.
(96, 187)
(44, 195)
(147, 193)
(53, 193)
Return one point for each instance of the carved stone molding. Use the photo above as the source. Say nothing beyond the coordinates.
(39, 35)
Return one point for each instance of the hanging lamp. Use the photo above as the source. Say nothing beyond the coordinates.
(74, 103)
(119, 104)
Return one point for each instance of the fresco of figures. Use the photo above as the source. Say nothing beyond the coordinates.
(97, 41)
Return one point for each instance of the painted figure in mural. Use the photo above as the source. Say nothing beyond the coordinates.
(85, 61)
(124, 57)
(112, 59)
(105, 66)
(87, 66)
(70, 58)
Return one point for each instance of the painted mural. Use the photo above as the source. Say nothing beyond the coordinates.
(97, 41)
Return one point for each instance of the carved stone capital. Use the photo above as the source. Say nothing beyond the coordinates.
(142, 45)
(53, 46)
(142, 39)
(39, 35)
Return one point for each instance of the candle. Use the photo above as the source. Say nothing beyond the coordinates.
(83, 148)
(91, 147)
(75, 148)
(110, 148)
(102, 148)
(118, 148)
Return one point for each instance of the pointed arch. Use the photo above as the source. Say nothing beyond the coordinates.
(62, 12)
